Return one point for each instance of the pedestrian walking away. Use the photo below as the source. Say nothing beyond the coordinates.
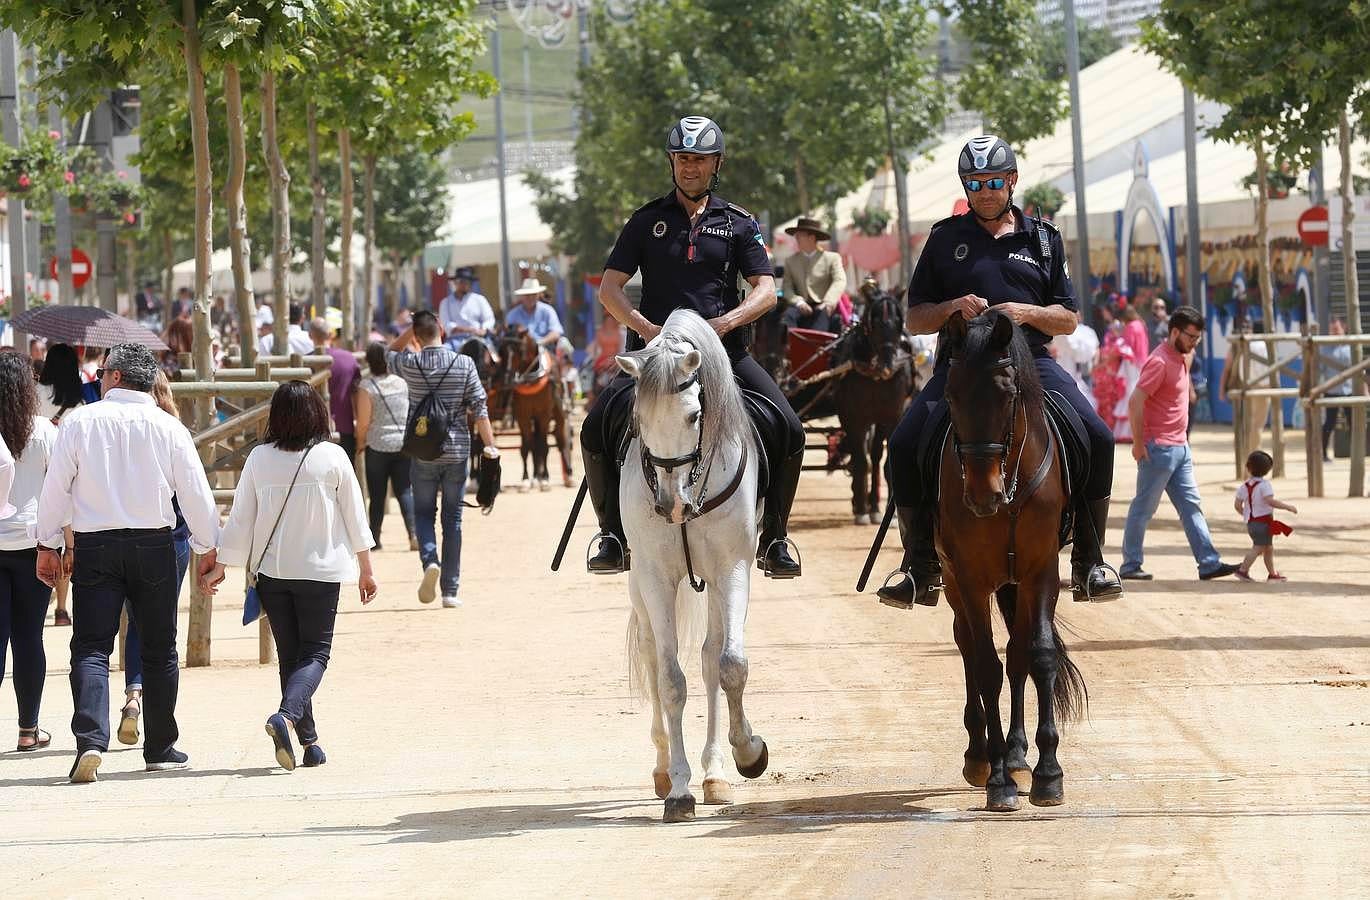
(113, 472)
(1255, 502)
(132, 708)
(343, 377)
(692, 246)
(995, 255)
(23, 598)
(382, 410)
(431, 369)
(297, 483)
(1159, 412)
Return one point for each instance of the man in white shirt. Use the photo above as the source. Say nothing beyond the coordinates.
(113, 473)
(464, 314)
(296, 338)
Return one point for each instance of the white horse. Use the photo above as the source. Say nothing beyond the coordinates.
(690, 511)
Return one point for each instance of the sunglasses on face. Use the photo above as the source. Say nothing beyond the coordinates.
(100, 374)
(974, 184)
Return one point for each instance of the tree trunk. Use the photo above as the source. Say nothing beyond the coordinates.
(801, 185)
(168, 264)
(280, 214)
(1267, 349)
(204, 200)
(316, 241)
(237, 216)
(345, 264)
(1353, 323)
(369, 227)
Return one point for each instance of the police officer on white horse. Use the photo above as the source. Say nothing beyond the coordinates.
(692, 246)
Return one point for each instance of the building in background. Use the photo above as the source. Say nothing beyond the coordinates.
(1121, 18)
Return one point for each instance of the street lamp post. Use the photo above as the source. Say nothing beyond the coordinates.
(1078, 156)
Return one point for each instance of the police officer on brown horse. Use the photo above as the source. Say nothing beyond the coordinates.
(692, 246)
(995, 255)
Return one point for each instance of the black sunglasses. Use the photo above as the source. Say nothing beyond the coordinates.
(974, 184)
(100, 374)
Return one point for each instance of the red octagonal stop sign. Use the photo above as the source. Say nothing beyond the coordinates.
(1314, 227)
(81, 268)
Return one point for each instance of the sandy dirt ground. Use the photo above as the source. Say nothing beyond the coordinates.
(495, 749)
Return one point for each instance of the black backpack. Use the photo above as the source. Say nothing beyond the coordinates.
(427, 428)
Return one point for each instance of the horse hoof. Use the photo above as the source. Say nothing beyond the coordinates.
(661, 783)
(717, 792)
(858, 519)
(756, 769)
(1022, 778)
(976, 772)
(1047, 791)
(567, 482)
(679, 809)
(1002, 798)
(544, 485)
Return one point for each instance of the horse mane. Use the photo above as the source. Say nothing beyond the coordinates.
(978, 353)
(723, 415)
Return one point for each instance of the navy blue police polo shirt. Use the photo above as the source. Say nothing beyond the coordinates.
(686, 267)
(960, 257)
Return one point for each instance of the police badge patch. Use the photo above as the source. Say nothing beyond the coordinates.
(960, 252)
(659, 229)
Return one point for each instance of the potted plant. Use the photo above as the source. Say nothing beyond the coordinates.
(870, 222)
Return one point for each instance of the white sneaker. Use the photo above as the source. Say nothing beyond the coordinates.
(83, 771)
(428, 589)
(451, 601)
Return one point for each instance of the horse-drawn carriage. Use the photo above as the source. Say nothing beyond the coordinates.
(864, 377)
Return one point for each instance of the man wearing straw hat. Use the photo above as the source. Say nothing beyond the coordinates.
(814, 279)
(539, 317)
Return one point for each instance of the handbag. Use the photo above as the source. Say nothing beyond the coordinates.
(252, 601)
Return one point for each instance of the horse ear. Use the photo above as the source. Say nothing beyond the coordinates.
(1002, 335)
(629, 364)
(690, 362)
(955, 329)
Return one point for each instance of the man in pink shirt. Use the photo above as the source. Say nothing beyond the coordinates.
(1159, 414)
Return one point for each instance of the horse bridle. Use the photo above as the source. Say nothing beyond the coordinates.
(991, 449)
(694, 459)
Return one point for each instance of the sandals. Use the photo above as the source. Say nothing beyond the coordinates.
(40, 737)
(128, 722)
(61, 617)
(1275, 576)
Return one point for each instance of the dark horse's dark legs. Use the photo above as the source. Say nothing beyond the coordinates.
(976, 766)
(1016, 752)
(1001, 792)
(1047, 779)
(878, 439)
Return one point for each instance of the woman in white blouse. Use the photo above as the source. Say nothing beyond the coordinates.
(303, 542)
(23, 598)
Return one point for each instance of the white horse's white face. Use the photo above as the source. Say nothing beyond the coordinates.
(669, 427)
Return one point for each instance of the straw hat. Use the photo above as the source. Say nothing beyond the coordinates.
(530, 286)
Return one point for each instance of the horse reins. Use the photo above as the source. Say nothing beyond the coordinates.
(987, 449)
(699, 472)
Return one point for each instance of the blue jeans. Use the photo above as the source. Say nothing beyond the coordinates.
(138, 567)
(1168, 469)
(133, 644)
(427, 478)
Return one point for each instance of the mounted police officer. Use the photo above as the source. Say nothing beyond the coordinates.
(692, 246)
(994, 255)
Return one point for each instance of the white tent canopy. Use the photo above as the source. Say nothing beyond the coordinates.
(471, 233)
(221, 270)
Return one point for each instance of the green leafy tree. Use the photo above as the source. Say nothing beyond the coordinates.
(1006, 79)
(1049, 47)
(411, 190)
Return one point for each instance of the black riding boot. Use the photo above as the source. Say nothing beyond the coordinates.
(773, 548)
(1090, 577)
(612, 557)
(921, 572)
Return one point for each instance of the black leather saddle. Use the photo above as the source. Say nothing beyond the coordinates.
(767, 421)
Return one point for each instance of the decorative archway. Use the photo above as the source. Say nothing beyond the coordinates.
(1142, 198)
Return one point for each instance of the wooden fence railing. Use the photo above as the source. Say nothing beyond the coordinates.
(1311, 392)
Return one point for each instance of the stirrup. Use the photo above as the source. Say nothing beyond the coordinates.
(623, 553)
(933, 591)
(1080, 593)
(765, 561)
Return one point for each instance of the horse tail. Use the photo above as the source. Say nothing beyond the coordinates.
(639, 669)
(1069, 695)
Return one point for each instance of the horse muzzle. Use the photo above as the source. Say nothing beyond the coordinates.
(984, 508)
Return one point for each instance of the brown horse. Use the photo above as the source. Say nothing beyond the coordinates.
(534, 391)
(871, 397)
(1001, 537)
